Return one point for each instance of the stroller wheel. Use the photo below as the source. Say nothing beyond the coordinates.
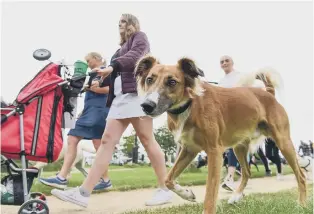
(34, 206)
(38, 195)
(42, 54)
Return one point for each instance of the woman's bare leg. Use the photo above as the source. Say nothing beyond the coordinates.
(60, 181)
(97, 143)
(69, 156)
(112, 134)
(144, 130)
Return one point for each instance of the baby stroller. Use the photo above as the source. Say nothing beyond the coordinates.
(31, 130)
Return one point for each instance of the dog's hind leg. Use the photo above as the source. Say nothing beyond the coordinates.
(286, 147)
(185, 157)
(241, 151)
(278, 128)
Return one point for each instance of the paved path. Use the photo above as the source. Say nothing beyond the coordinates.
(118, 202)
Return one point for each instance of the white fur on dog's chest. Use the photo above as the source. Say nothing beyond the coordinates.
(177, 133)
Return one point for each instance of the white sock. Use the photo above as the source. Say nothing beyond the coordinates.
(84, 192)
(105, 180)
(61, 178)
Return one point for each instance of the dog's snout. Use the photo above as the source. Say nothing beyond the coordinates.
(148, 106)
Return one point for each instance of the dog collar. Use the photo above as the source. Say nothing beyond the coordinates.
(181, 109)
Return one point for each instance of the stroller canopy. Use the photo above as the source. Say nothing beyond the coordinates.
(41, 101)
(45, 80)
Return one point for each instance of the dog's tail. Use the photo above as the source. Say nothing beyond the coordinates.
(271, 79)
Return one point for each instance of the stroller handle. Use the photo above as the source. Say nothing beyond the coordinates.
(79, 77)
(91, 73)
(15, 168)
(4, 117)
(89, 81)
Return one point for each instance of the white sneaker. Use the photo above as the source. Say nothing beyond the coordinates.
(228, 185)
(71, 195)
(160, 197)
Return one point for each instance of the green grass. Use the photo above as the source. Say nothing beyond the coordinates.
(125, 178)
(271, 203)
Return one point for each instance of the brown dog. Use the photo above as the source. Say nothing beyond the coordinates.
(210, 118)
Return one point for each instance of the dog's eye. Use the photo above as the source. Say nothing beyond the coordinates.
(172, 83)
(149, 80)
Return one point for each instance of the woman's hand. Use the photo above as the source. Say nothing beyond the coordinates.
(104, 72)
(95, 84)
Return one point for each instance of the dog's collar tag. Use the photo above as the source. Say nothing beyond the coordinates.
(181, 109)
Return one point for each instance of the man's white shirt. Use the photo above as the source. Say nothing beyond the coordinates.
(232, 78)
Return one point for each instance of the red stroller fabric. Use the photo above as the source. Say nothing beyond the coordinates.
(42, 99)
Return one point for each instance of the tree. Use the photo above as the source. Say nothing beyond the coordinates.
(135, 150)
(166, 140)
(128, 145)
(162, 135)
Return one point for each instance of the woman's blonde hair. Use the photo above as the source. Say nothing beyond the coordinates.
(131, 20)
(96, 56)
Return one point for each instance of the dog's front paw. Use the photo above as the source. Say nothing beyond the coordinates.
(186, 194)
(235, 198)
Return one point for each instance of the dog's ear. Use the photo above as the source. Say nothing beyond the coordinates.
(144, 64)
(189, 67)
(142, 69)
(201, 72)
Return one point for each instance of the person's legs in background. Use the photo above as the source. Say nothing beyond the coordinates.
(228, 183)
(277, 161)
(272, 153)
(225, 159)
(264, 160)
(252, 161)
(238, 167)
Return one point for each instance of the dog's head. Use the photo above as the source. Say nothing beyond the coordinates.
(166, 87)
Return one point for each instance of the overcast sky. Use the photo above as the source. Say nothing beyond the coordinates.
(255, 34)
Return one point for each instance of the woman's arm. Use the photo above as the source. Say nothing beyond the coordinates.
(100, 90)
(140, 46)
(104, 72)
